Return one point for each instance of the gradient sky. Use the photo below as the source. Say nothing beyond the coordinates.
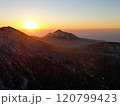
(64, 14)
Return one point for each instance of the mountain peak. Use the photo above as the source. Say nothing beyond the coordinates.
(7, 28)
(59, 34)
(58, 31)
(10, 31)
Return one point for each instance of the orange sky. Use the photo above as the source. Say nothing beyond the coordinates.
(61, 14)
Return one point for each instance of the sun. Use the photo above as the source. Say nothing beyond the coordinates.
(30, 25)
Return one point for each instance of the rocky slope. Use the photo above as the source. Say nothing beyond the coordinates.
(31, 63)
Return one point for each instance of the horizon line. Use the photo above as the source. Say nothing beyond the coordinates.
(63, 28)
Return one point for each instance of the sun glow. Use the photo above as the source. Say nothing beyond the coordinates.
(30, 25)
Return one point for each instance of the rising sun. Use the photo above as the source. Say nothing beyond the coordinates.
(30, 25)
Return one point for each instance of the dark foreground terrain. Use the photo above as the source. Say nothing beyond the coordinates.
(60, 60)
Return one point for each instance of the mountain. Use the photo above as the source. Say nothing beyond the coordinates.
(28, 62)
(65, 39)
(59, 34)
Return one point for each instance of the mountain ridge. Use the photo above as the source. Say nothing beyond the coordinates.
(65, 39)
(59, 34)
(28, 62)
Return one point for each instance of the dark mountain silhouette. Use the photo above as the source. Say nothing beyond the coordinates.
(28, 62)
(65, 39)
(59, 34)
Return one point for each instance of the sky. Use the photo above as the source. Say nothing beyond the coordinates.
(63, 14)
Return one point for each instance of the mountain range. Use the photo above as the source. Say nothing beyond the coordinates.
(59, 60)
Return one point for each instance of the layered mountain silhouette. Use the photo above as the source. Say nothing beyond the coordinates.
(60, 60)
(65, 39)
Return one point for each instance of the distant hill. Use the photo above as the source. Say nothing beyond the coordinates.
(59, 34)
(65, 39)
(28, 62)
